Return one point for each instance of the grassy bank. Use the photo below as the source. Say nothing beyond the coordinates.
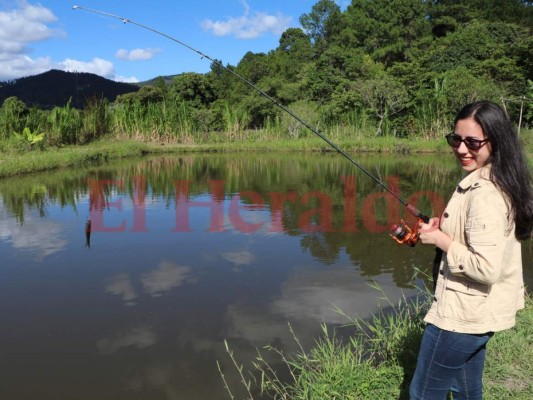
(378, 361)
(19, 158)
(16, 162)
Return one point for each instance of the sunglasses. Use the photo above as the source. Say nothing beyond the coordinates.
(455, 141)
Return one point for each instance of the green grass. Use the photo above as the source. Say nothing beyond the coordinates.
(33, 161)
(509, 368)
(19, 158)
(378, 361)
(22, 161)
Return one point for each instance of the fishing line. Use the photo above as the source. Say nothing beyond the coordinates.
(413, 210)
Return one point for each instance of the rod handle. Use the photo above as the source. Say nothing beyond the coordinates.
(414, 211)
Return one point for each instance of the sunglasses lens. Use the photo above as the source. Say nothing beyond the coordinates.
(453, 140)
(472, 144)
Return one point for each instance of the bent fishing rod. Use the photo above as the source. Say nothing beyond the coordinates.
(401, 233)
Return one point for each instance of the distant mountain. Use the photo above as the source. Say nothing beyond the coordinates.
(55, 88)
(167, 79)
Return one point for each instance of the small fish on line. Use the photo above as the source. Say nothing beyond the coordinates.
(88, 233)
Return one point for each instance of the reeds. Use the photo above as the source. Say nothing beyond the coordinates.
(94, 120)
(376, 362)
(63, 126)
(171, 120)
(174, 120)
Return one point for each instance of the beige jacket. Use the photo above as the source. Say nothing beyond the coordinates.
(480, 286)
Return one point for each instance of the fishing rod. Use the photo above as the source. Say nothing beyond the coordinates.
(401, 233)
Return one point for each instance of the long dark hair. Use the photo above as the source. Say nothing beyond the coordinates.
(509, 170)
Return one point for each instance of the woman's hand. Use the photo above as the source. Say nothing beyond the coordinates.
(431, 234)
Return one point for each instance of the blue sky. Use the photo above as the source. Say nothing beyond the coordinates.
(38, 36)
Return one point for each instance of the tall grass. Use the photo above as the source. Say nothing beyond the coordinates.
(173, 120)
(64, 126)
(94, 120)
(431, 115)
(379, 358)
(234, 121)
(168, 121)
(376, 362)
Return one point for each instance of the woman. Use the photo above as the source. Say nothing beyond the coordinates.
(480, 284)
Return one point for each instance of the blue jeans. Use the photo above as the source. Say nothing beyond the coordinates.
(449, 361)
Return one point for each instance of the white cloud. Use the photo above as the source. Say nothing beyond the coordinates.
(24, 25)
(27, 24)
(136, 54)
(249, 25)
(20, 65)
(18, 28)
(17, 66)
(130, 79)
(97, 66)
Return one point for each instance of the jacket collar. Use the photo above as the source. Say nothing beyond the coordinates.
(475, 178)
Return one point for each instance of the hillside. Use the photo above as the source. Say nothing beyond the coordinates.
(55, 88)
(152, 82)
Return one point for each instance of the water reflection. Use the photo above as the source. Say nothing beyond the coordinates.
(139, 337)
(186, 251)
(121, 285)
(166, 277)
(41, 238)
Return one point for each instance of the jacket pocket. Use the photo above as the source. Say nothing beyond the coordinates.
(484, 234)
(465, 299)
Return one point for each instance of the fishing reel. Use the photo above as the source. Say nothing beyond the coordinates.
(402, 234)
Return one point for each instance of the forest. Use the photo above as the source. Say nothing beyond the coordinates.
(378, 68)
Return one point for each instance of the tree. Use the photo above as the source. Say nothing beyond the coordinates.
(384, 29)
(161, 85)
(259, 109)
(456, 12)
(253, 66)
(145, 95)
(222, 79)
(462, 86)
(335, 70)
(295, 43)
(384, 97)
(12, 115)
(322, 23)
(496, 50)
(193, 88)
(14, 106)
(293, 53)
(529, 103)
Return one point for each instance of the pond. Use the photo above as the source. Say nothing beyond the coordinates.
(186, 252)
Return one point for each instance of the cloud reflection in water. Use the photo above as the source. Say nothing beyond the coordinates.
(139, 337)
(165, 278)
(121, 285)
(42, 237)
